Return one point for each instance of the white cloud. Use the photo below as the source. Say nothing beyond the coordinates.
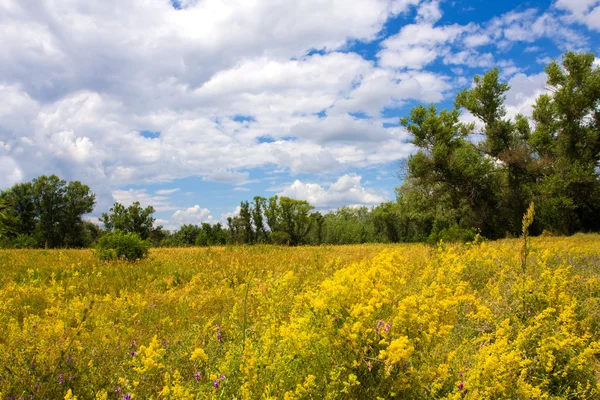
(528, 26)
(11, 172)
(194, 215)
(416, 46)
(525, 89)
(166, 191)
(127, 197)
(586, 12)
(227, 176)
(429, 12)
(81, 80)
(347, 190)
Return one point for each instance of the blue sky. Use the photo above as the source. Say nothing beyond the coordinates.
(195, 105)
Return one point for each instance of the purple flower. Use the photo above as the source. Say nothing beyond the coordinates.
(461, 385)
(119, 344)
(118, 390)
(133, 353)
(216, 383)
(387, 327)
(71, 377)
(197, 376)
(60, 379)
(219, 337)
(126, 397)
(222, 376)
(461, 374)
(69, 358)
(132, 343)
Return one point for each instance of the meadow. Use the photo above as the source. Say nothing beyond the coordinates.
(265, 322)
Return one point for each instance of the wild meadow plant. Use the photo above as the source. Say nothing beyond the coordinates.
(355, 322)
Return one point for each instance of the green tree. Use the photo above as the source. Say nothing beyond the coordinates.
(246, 220)
(132, 219)
(187, 234)
(58, 209)
(290, 218)
(505, 142)
(566, 140)
(48, 211)
(452, 171)
(258, 218)
(20, 208)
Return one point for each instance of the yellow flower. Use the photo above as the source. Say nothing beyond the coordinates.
(198, 353)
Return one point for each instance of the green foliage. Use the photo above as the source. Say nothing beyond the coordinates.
(132, 219)
(49, 210)
(567, 140)
(121, 245)
(23, 242)
(456, 185)
(453, 234)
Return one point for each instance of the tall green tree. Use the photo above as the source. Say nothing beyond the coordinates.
(132, 219)
(289, 219)
(452, 170)
(258, 218)
(566, 139)
(246, 219)
(59, 208)
(49, 211)
(505, 141)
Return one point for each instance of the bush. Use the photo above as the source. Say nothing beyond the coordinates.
(280, 238)
(24, 242)
(121, 245)
(453, 234)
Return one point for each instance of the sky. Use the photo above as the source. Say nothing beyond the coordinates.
(192, 106)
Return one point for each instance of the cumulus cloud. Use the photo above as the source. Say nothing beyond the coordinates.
(586, 12)
(158, 201)
(80, 81)
(524, 90)
(194, 215)
(347, 190)
(417, 45)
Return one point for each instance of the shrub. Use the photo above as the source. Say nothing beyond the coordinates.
(453, 234)
(280, 238)
(121, 245)
(24, 242)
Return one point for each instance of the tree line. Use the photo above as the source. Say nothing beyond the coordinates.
(462, 181)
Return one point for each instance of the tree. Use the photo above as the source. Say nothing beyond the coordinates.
(504, 141)
(386, 220)
(187, 234)
(59, 208)
(5, 220)
(452, 171)
(246, 220)
(257, 217)
(290, 217)
(20, 208)
(566, 139)
(49, 211)
(133, 219)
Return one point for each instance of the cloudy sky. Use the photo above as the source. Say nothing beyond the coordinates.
(195, 105)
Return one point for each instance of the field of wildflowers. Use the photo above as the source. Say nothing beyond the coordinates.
(362, 322)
